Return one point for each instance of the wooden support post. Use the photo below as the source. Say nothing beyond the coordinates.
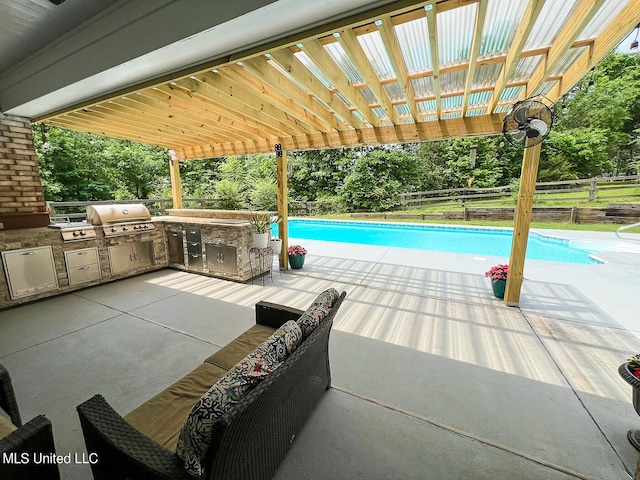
(283, 205)
(522, 221)
(176, 188)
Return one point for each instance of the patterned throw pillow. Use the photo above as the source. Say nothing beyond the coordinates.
(196, 435)
(319, 309)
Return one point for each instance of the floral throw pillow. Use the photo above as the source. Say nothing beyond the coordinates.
(196, 435)
(319, 309)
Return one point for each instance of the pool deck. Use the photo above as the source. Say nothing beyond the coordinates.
(433, 377)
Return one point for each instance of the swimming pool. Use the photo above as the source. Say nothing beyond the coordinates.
(478, 241)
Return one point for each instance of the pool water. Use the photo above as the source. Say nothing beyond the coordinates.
(478, 241)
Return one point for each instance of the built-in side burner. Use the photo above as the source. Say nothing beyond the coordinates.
(75, 231)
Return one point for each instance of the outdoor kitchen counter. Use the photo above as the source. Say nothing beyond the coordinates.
(211, 245)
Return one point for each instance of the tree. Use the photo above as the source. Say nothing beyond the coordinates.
(378, 178)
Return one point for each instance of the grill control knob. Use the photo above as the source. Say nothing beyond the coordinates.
(76, 233)
(82, 232)
(124, 229)
(113, 229)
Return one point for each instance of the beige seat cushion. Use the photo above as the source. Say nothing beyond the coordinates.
(229, 355)
(6, 427)
(162, 417)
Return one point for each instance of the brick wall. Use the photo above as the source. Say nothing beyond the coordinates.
(20, 184)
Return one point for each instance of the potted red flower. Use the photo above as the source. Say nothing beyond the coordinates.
(296, 256)
(498, 275)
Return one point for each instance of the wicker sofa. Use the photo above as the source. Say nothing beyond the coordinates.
(21, 445)
(249, 441)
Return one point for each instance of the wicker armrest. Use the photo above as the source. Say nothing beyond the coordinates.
(35, 436)
(274, 315)
(124, 452)
(7, 397)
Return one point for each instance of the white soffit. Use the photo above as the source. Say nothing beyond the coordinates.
(278, 19)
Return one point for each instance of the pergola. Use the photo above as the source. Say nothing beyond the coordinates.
(403, 72)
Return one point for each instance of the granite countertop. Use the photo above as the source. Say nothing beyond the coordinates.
(202, 220)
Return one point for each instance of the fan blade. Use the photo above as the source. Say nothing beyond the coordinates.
(518, 136)
(539, 127)
(521, 114)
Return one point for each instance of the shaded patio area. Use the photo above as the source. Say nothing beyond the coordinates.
(432, 376)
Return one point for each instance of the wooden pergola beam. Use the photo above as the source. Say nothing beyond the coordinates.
(288, 62)
(435, 58)
(323, 61)
(407, 133)
(481, 14)
(581, 16)
(522, 222)
(358, 58)
(390, 41)
(531, 14)
(283, 202)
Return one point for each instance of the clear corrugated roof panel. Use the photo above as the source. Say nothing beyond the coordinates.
(380, 112)
(430, 118)
(373, 47)
(567, 60)
(545, 88)
(453, 82)
(394, 92)
(511, 93)
(368, 95)
(525, 68)
(476, 113)
(340, 57)
(306, 61)
(413, 38)
(345, 101)
(553, 16)
(455, 34)
(452, 103)
(403, 110)
(423, 87)
(605, 15)
(427, 107)
(502, 109)
(448, 115)
(487, 75)
(478, 99)
(500, 25)
(406, 121)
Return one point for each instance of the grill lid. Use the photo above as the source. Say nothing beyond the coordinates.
(114, 213)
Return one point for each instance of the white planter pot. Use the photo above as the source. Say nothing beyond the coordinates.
(276, 245)
(260, 240)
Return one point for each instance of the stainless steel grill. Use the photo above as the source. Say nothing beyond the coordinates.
(124, 219)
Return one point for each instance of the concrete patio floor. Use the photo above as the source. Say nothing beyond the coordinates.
(433, 377)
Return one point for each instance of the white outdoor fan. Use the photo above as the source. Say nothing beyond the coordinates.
(530, 119)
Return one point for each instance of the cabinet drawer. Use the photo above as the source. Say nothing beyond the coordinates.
(83, 274)
(79, 258)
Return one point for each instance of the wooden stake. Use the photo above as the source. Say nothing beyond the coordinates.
(522, 221)
(283, 208)
(176, 188)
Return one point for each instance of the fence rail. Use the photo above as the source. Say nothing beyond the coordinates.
(591, 187)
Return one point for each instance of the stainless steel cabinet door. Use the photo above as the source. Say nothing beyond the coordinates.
(221, 259)
(30, 271)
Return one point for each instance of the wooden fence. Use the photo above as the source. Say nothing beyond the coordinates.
(586, 190)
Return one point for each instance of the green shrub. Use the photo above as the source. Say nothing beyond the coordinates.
(228, 195)
(264, 196)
